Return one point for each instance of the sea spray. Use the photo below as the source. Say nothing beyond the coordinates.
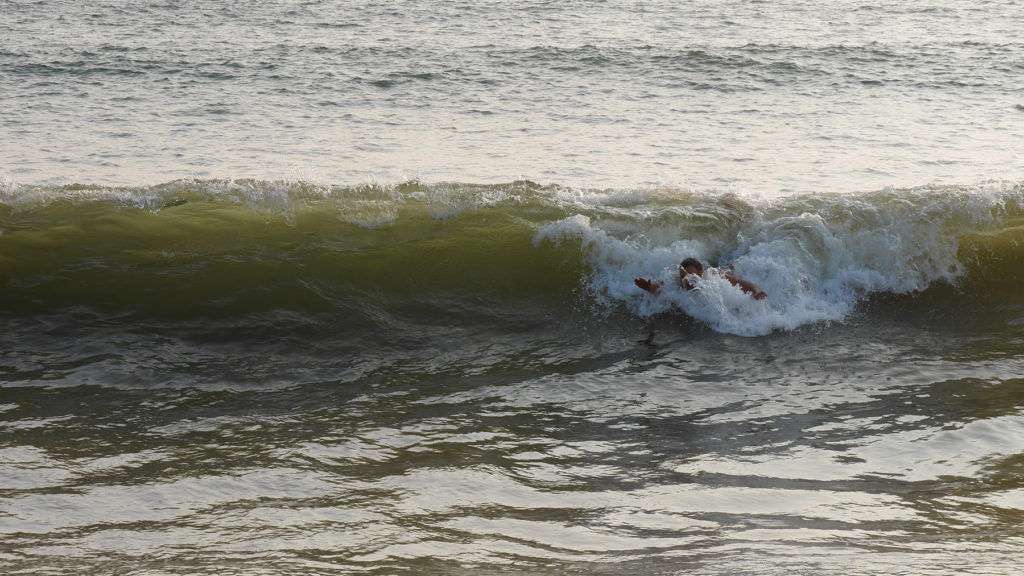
(817, 257)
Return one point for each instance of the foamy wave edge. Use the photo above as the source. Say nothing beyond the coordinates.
(816, 257)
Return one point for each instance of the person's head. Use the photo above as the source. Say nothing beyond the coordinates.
(691, 266)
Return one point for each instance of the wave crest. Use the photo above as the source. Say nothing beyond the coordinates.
(215, 247)
(818, 257)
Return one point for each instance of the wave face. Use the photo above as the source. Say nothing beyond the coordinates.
(363, 258)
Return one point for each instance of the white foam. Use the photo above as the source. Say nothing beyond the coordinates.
(816, 258)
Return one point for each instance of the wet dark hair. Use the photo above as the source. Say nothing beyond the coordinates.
(691, 262)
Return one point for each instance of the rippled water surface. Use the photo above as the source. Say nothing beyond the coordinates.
(859, 450)
(339, 287)
(768, 96)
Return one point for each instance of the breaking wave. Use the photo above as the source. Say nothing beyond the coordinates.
(221, 248)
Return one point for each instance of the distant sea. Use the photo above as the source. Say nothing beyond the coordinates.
(325, 287)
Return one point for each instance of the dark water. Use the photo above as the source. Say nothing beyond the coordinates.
(257, 378)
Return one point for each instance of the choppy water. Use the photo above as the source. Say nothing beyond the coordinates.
(339, 288)
(772, 96)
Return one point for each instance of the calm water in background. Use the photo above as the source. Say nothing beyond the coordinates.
(340, 287)
(772, 96)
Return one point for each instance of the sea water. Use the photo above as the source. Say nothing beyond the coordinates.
(347, 287)
(769, 96)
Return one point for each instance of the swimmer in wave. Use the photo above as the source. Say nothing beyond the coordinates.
(692, 266)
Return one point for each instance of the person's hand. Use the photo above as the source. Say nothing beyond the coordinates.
(647, 285)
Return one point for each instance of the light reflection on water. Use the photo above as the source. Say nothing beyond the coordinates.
(715, 455)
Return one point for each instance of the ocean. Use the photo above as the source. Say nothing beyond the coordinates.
(341, 287)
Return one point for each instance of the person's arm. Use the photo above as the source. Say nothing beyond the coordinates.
(652, 286)
(747, 286)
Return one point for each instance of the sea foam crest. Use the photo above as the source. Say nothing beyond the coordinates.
(816, 257)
